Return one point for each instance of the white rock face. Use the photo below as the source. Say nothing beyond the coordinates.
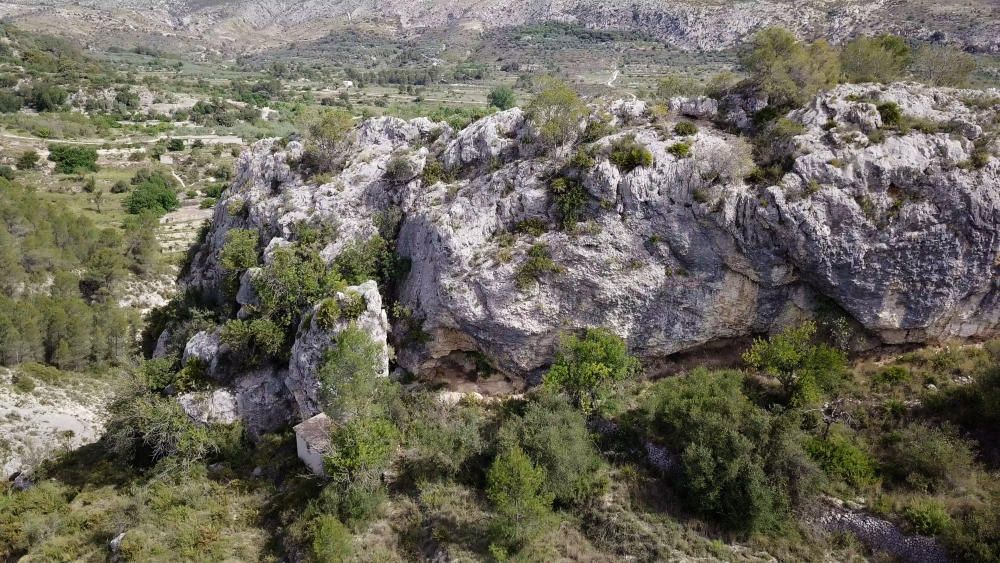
(210, 407)
(205, 347)
(901, 233)
(313, 340)
(257, 398)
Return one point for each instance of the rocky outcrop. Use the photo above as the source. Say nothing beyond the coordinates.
(210, 407)
(257, 398)
(205, 348)
(313, 340)
(897, 228)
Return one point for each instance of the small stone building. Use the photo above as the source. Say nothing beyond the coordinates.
(312, 441)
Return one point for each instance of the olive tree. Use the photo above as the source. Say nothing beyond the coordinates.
(557, 112)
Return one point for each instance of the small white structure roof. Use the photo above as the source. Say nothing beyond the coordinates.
(312, 441)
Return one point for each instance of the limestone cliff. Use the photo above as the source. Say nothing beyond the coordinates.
(895, 229)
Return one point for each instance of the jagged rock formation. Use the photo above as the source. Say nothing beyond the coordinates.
(899, 230)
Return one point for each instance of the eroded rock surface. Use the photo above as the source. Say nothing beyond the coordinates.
(895, 227)
(313, 340)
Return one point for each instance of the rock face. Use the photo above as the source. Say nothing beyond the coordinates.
(210, 407)
(681, 23)
(897, 229)
(258, 399)
(313, 340)
(206, 348)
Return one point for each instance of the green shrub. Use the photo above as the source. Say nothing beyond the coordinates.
(628, 154)
(891, 114)
(433, 172)
(240, 251)
(362, 449)
(892, 375)
(353, 305)
(927, 517)
(675, 85)
(585, 367)
(926, 458)
(685, 128)
(944, 65)
(597, 129)
(157, 373)
(555, 437)
(251, 342)
(738, 463)
(43, 96)
(570, 199)
(583, 159)
(842, 459)
(331, 540)
(802, 368)
(976, 405)
(295, 279)
(6, 172)
(350, 377)
(533, 226)
(175, 145)
(516, 487)
(192, 376)
(326, 136)
(399, 169)
(328, 314)
(680, 150)
(875, 59)
(145, 424)
(10, 101)
(502, 98)
(537, 264)
(443, 441)
(238, 254)
(71, 159)
(23, 383)
(28, 160)
(556, 113)
(789, 71)
(975, 535)
(156, 195)
(372, 259)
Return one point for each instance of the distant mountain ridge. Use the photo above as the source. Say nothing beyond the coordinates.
(238, 26)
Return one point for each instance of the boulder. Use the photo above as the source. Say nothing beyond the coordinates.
(206, 347)
(210, 407)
